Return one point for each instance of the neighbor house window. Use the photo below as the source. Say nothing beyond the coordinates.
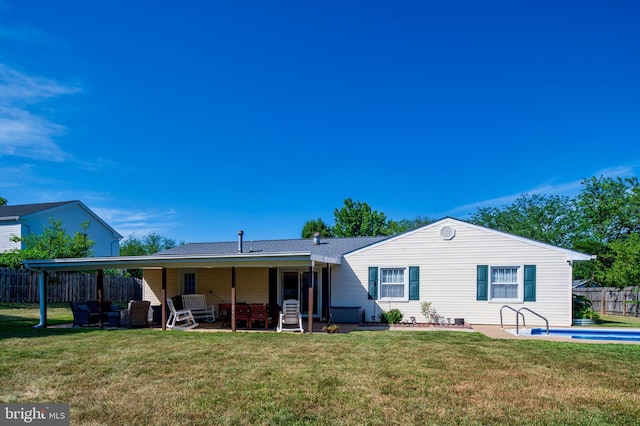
(505, 283)
(189, 283)
(393, 284)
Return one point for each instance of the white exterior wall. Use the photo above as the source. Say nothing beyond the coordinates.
(448, 272)
(72, 217)
(7, 230)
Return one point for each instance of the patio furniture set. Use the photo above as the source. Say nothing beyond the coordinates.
(183, 311)
(88, 313)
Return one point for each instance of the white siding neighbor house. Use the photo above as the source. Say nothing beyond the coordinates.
(21, 220)
(465, 271)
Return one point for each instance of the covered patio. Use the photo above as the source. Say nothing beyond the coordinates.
(223, 273)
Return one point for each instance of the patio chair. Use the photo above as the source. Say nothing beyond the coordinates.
(82, 314)
(259, 313)
(290, 316)
(224, 311)
(180, 319)
(242, 313)
(138, 313)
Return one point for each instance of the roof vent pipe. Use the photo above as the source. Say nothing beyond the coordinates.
(316, 239)
(240, 234)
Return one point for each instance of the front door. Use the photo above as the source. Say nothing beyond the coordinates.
(293, 285)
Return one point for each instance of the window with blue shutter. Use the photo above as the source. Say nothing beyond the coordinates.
(414, 283)
(482, 283)
(529, 283)
(373, 282)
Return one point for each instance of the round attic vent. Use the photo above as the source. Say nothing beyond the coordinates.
(447, 232)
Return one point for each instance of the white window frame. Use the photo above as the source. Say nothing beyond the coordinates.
(405, 297)
(520, 282)
(183, 275)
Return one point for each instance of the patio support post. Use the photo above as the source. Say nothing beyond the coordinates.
(164, 299)
(100, 287)
(233, 298)
(42, 287)
(329, 291)
(311, 299)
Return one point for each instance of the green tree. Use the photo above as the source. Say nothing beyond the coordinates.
(312, 226)
(609, 208)
(547, 218)
(625, 268)
(149, 244)
(3, 201)
(608, 216)
(52, 243)
(357, 219)
(404, 225)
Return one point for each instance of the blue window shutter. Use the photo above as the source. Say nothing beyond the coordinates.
(373, 282)
(482, 284)
(529, 283)
(414, 283)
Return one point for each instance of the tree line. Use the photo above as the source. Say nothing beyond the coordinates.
(603, 219)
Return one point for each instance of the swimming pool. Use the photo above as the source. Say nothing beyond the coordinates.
(628, 335)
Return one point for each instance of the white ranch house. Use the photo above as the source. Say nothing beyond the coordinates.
(464, 270)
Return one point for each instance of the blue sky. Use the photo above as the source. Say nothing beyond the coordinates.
(195, 119)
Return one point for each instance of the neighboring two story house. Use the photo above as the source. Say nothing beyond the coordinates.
(21, 220)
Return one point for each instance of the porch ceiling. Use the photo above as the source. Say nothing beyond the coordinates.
(180, 261)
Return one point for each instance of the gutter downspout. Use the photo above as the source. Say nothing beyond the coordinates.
(43, 296)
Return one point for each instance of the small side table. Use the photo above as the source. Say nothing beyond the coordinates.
(157, 314)
(113, 318)
(124, 318)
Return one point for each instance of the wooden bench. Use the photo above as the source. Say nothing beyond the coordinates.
(197, 304)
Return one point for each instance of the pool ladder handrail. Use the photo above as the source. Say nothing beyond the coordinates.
(509, 307)
(523, 321)
(534, 313)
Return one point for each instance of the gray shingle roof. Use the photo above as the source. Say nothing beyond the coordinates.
(328, 247)
(25, 209)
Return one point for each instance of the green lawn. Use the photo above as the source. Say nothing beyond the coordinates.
(375, 377)
(618, 322)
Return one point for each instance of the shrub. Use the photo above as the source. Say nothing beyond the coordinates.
(393, 316)
(430, 314)
(333, 328)
(587, 313)
(582, 308)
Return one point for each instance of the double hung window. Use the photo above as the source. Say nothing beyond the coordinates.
(513, 284)
(393, 284)
(506, 283)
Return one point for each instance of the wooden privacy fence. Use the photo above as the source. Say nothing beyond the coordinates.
(21, 286)
(612, 300)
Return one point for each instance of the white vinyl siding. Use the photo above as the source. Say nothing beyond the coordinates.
(448, 274)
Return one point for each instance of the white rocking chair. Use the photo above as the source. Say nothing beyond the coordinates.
(180, 319)
(290, 315)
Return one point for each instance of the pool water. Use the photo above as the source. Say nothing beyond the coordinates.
(629, 335)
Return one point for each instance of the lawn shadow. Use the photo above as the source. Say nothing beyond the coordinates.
(24, 327)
